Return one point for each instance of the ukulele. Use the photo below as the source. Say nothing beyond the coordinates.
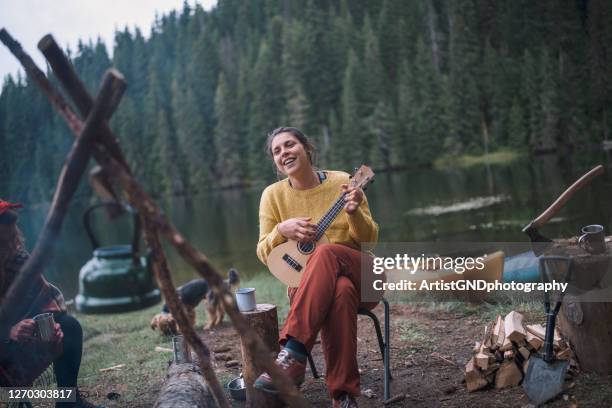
(287, 261)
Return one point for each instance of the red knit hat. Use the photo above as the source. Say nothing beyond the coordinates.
(7, 215)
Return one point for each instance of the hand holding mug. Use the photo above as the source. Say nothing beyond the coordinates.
(23, 331)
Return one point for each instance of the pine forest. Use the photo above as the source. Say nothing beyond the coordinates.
(391, 83)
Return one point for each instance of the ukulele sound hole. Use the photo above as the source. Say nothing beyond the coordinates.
(306, 248)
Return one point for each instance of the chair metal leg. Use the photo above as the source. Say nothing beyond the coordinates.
(383, 343)
(387, 390)
(313, 368)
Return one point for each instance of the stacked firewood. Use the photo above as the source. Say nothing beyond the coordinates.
(502, 357)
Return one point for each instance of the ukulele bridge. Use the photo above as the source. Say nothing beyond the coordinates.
(292, 262)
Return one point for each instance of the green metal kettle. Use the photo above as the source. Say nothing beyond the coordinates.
(116, 279)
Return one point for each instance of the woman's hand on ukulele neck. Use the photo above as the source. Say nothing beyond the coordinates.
(353, 197)
(298, 229)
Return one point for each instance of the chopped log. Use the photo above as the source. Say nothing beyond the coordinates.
(525, 366)
(476, 348)
(487, 340)
(474, 379)
(533, 340)
(508, 375)
(564, 354)
(537, 330)
(507, 345)
(499, 356)
(490, 373)
(513, 326)
(185, 387)
(492, 368)
(509, 355)
(498, 333)
(524, 352)
(263, 322)
(481, 360)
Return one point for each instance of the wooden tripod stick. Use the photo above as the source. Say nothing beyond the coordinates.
(288, 392)
(112, 87)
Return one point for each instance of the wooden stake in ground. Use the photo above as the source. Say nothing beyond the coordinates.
(263, 321)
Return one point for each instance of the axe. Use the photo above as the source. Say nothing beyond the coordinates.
(532, 228)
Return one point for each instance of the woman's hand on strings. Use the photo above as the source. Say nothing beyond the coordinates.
(298, 229)
(353, 197)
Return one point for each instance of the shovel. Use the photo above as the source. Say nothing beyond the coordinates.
(545, 375)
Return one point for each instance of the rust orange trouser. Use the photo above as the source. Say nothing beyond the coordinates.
(327, 300)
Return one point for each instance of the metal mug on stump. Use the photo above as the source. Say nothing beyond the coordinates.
(245, 299)
(45, 326)
(593, 239)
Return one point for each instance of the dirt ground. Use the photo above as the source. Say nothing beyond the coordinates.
(429, 350)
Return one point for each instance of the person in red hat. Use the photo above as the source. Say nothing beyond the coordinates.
(23, 357)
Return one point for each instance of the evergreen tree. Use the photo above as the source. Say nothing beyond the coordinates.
(517, 130)
(530, 96)
(381, 127)
(465, 115)
(227, 137)
(351, 148)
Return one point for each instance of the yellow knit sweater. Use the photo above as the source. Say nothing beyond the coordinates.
(280, 201)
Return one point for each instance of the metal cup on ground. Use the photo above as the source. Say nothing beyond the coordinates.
(593, 239)
(180, 350)
(45, 326)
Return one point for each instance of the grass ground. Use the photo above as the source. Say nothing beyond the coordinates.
(431, 340)
(110, 340)
(127, 338)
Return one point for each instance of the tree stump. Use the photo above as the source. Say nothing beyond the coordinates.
(586, 313)
(264, 323)
(185, 387)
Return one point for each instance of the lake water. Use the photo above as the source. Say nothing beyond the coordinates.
(478, 203)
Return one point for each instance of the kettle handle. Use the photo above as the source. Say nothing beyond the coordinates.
(95, 243)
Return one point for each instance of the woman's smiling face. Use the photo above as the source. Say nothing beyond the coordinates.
(289, 154)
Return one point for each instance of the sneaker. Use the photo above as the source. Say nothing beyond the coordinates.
(345, 401)
(291, 367)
